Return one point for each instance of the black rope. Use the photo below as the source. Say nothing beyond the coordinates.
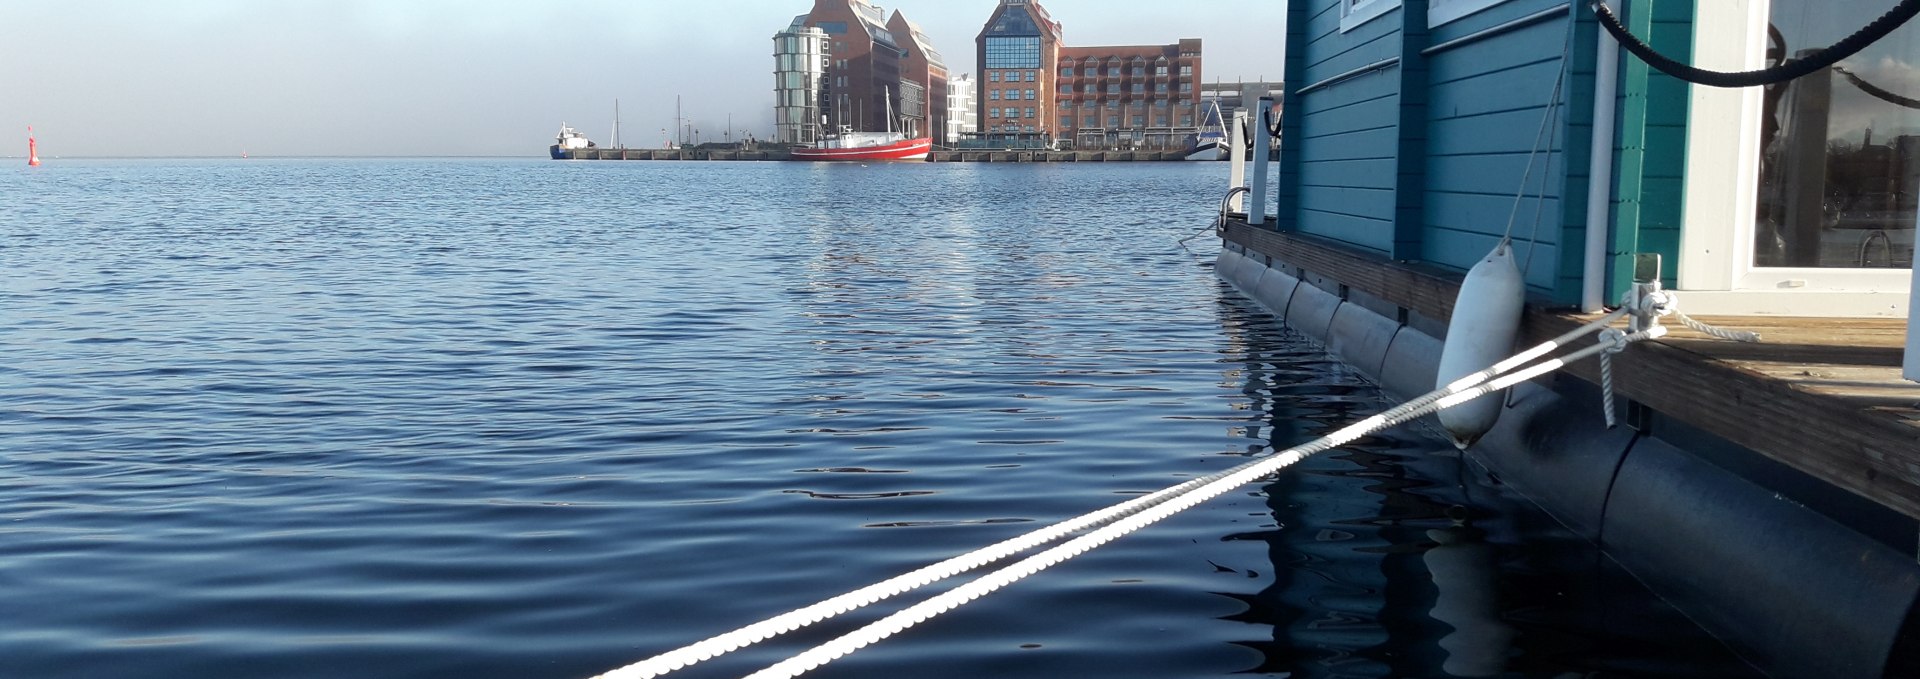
(1786, 71)
(1875, 90)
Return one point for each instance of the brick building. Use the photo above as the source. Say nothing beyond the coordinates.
(922, 94)
(871, 65)
(1130, 96)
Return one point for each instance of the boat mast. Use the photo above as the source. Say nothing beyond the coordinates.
(616, 124)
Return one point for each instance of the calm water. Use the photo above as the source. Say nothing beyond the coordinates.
(513, 418)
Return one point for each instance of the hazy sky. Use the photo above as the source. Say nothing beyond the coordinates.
(470, 77)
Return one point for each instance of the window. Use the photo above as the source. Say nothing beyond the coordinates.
(1029, 112)
(1090, 121)
(1186, 120)
(1090, 88)
(1113, 88)
(1818, 209)
(1139, 88)
(1029, 94)
(1113, 121)
(993, 112)
(993, 76)
(1186, 87)
(993, 95)
(1032, 76)
(1113, 71)
(1009, 52)
(1160, 121)
(1139, 121)
(1066, 120)
(1066, 72)
(1139, 71)
(1028, 129)
(1187, 71)
(1160, 70)
(1353, 13)
(832, 28)
(1443, 11)
(1066, 88)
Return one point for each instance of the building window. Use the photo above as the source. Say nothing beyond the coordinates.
(1090, 88)
(1186, 87)
(1090, 121)
(1139, 88)
(1139, 121)
(1066, 120)
(993, 112)
(1187, 71)
(1353, 13)
(1139, 71)
(1030, 94)
(1160, 70)
(1029, 129)
(1113, 71)
(1033, 75)
(1066, 72)
(1160, 121)
(1066, 88)
(1113, 88)
(1029, 112)
(1186, 120)
(1013, 52)
(1113, 121)
(993, 76)
(1804, 196)
(993, 95)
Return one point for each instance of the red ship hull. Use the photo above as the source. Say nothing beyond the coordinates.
(910, 149)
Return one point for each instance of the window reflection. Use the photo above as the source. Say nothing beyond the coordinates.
(1840, 149)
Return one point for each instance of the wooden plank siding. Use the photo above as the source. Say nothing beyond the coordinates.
(1340, 180)
(1490, 100)
(1822, 399)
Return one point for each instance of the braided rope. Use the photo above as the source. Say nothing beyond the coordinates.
(1471, 386)
(926, 610)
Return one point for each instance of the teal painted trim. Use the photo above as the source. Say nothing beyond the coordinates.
(1410, 178)
(1650, 148)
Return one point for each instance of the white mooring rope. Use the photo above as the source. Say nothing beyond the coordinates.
(1110, 523)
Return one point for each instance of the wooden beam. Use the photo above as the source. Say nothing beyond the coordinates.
(1847, 437)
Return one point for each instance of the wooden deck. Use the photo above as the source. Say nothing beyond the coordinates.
(1824, 396)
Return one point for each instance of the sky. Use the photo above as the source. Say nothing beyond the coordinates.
(472, 77)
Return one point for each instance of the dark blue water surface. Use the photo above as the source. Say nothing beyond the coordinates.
(476, 418)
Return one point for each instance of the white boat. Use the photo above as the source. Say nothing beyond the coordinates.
(1211, 143)
(568, 141)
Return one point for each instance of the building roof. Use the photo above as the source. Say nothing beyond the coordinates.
(1022, 19)
(918, 40)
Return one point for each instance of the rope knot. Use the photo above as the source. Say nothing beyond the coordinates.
(1615, 340)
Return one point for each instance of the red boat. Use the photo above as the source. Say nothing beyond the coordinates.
(850, 145)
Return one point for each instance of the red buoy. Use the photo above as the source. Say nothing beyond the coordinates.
(33, 151)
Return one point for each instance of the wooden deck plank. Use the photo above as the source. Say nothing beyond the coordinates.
(1823, 396)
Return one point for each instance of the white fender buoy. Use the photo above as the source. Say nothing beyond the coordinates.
(1486, 317)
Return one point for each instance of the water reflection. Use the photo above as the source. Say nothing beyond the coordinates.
(1397, 557)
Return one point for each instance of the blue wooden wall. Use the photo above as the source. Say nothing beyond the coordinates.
(1422, 160)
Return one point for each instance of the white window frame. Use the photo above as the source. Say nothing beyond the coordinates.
(1353, 13)
(1716, 268)
(1441, 12)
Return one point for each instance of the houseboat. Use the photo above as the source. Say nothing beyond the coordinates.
(1770, 491)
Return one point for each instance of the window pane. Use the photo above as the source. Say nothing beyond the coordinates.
(1840, 164)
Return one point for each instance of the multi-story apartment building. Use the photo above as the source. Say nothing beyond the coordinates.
(799, 79)
(1017, 51)
(961, 117)
(875, 73)
(1132, 96)
(921, 100)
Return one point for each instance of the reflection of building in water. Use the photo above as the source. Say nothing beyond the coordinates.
(1834, 197)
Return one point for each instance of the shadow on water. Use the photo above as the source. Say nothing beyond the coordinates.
(1398, 557)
